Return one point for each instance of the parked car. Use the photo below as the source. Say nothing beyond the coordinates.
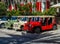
(3, 20)
(16, 23)
(19, 24)
(40, 23)
(9, 23)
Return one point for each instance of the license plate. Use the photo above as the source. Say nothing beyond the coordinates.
(15, 25)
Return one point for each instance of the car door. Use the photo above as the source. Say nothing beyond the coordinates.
(44, 24)
(49, 25)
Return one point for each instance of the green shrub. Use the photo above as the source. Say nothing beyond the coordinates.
(52, 11)
(3, 9)
(37, 13)
(14, 13)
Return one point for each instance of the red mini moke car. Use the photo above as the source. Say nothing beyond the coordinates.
(40, 23)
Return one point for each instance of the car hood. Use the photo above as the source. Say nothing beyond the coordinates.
(2, 22)
(20, 22)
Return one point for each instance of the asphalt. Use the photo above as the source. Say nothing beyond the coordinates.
(16, 37)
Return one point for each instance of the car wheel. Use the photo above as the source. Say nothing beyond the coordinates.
(21, 27)
(2, 25)
(17, 29)
(54, 27)
(37, 30)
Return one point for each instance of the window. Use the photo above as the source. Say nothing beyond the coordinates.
(43, 6)
(44, 21)
(9, 1)
(49, 21)
(55, 1)
(37, 19)
(33, 19)
(24, 18)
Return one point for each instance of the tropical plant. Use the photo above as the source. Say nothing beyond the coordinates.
(52, 11)
(45, 12)
(37, 13)
(3, 9)
(25, 9)
(13, 13)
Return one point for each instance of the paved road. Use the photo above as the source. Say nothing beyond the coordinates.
(14, 37)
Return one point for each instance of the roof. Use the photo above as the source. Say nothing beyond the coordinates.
(56, 5)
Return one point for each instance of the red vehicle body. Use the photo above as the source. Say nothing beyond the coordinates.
(40, 24)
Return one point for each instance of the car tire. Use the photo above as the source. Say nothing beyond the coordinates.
(2, 25)
(18, 30)
(54, 27)
(21, 27)
(37, 30)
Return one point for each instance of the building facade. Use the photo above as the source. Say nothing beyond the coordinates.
(52, 2)
(41, 5)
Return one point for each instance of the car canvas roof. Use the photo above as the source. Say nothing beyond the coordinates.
(37, 16)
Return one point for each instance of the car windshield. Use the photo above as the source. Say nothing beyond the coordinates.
(13, 18)
(3, 18)
(24, 18)
(35, 18)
